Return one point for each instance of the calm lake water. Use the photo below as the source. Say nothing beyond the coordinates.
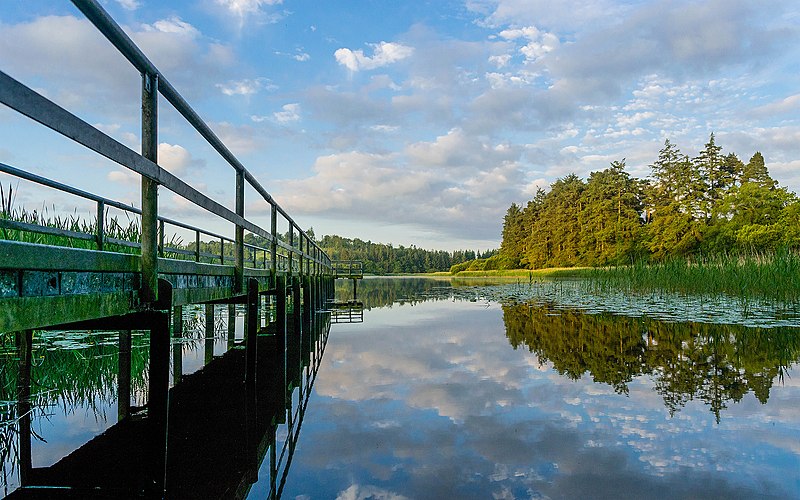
(447, 393)
(451, 390)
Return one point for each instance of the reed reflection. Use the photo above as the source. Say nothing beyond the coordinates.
(219, 429)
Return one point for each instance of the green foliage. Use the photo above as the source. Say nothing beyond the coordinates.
(381, 259)
(711, 204)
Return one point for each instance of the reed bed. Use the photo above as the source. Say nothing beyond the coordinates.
(773, 276)
(127, 230)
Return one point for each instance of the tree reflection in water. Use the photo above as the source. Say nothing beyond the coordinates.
(709, 362)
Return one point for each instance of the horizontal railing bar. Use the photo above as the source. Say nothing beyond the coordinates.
(124, 243)
(22, 174)
(54, 231)
(8, 169)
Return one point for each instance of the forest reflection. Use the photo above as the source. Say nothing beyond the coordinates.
(712, 363)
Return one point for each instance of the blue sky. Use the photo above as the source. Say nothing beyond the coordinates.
(413, 122)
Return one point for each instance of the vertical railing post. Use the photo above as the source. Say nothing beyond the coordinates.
(302, 254)
(149, 292)
(222, 251)
(197, 246)
(161, 238)
(101, 208)
(291, 248)
(274, 244)
(239, 248)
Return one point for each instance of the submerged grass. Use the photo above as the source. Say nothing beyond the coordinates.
(772, 276)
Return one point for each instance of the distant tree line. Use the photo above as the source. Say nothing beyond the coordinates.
(380, 258)
(711, 203)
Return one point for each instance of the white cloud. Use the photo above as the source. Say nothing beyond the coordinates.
(171, 157)
(174, 157)
(787, 105)
(124, 176)
(246, 7)
(500, 60)
(384, 53)
(173, 25)
(290, 113)
(359, 492)
(252, 10)
(245, 87)
(129, 4)
(302, 57)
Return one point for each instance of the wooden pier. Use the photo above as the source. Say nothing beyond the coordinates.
(116, 284)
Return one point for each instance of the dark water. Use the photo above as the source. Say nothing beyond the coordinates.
(445, 390)
(443, 393)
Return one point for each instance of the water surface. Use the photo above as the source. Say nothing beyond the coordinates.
(493, 392)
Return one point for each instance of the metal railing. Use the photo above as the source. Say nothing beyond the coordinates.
(348, 269)
(299, 254)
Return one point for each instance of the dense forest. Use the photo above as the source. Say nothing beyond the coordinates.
(380, 258)
(712, 203)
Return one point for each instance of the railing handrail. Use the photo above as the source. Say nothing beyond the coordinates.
(117, 36)
(44, 181)
(35, 106)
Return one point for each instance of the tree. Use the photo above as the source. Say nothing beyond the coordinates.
(512, 246)
(673, 227)
(611, 217)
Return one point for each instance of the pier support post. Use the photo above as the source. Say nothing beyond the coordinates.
(231, 325)
(297, 319)
(251, 331)
(177, 347)
(25, 352)
(307, 305)
(209, 343)
(280, 334)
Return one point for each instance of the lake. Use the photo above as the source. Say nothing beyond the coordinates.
(512, 391)
(443, 389)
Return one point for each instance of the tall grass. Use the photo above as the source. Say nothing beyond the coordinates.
(773, 276)
(129, 230)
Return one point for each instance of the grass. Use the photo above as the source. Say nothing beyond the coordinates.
(129, 230)
(553, 272)
(772, 276)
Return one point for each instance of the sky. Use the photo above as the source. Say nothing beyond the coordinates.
(411, 123)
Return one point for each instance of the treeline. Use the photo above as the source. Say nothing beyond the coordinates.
(712, 203)
(380, 258)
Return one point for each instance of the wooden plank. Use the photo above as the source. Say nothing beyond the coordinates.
(23, 313)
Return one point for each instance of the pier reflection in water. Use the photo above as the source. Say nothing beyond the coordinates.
(61, 397)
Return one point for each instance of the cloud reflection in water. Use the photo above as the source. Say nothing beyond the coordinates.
(430, 401)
